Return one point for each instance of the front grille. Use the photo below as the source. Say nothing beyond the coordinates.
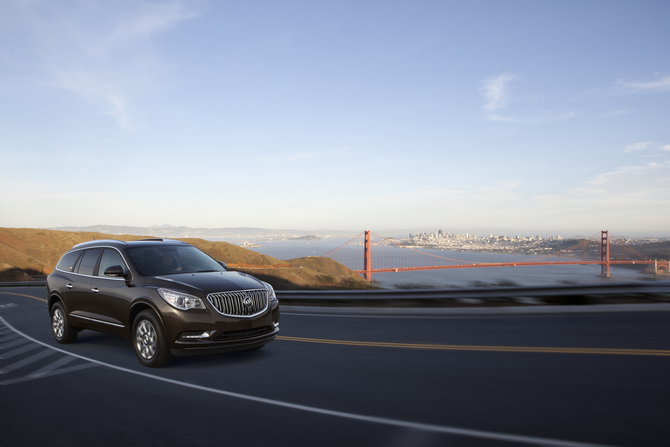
(244, 333)
(233, 303)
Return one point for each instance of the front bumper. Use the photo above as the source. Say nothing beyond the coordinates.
(214, 346)
(227, 333)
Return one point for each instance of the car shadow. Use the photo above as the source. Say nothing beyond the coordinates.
(102, 339)
(124, 346)
(221, 359)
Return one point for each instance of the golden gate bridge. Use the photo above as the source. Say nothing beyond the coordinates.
(389, 255)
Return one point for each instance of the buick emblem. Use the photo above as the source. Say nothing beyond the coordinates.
(248, 302)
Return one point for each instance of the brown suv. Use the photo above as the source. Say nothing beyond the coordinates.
(167, 296)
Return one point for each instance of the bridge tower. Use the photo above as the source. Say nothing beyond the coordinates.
(367, 257)
(605, 254)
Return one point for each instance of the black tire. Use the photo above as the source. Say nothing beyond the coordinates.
(61, 329)
(149, 340)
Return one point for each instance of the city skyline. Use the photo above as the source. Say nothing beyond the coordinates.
(257, 234)
(482, 117)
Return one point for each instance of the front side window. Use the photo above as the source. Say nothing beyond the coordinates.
(88, 261)
(109, 258)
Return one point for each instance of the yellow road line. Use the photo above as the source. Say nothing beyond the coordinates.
(20, 294)
(653, 352)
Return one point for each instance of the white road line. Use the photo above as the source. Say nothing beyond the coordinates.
(18, 351)
(9, 337)
(11, 344)
(52, 366)
(532, 440)
(52, 373)
(26, 361)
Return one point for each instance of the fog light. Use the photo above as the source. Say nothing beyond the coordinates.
(276, 325)
(207, 334)
(196, 335)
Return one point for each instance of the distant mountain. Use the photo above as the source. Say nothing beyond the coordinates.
(169, 231)
(311, 237)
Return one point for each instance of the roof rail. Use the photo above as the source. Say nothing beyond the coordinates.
(98, 241)
(158, 239)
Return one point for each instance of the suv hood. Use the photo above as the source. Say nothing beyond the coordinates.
(208, 282)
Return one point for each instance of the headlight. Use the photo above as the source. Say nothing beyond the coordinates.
(271, 291)
(181, 300)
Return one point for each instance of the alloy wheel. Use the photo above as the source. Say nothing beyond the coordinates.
(58, 323)
(146, 340)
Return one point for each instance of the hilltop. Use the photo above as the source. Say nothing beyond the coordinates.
(172, 232)
(27, 252)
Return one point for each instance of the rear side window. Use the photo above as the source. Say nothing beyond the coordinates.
(109, 258)
(68, 261)
(89, 260)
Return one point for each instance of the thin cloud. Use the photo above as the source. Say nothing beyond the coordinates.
(658, 85)
(152, 19)
(636, 147)
(651, 180)
(613, 113)
(497, 94)
(109, 65)
(297, 156)
(119, 112)
(496, 91)
(409, 49)
(540, 118)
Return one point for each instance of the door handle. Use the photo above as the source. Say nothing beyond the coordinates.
(69, 286)
(95, 290)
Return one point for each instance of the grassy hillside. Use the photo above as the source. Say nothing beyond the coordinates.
(27, 251)
(654, 250)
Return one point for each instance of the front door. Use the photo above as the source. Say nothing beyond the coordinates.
(108, 305)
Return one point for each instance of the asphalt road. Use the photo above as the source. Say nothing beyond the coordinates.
(498, 380)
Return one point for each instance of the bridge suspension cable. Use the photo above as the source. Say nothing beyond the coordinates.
(369, 253)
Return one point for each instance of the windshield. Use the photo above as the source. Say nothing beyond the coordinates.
(168, 260)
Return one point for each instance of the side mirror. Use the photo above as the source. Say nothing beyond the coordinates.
(114, 270)
(223, 264)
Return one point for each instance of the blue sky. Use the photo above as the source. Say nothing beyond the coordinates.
(526, 116)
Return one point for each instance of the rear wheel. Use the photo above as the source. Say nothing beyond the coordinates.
(60, 326)
(149, 340)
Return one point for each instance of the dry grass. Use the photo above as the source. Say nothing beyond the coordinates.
(36, 252)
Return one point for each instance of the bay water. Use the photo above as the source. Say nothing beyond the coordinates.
(463, 277)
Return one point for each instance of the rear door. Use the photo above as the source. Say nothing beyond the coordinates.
(78, 298)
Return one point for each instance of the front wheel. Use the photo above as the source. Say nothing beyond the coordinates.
(60, 326)
(149, 340)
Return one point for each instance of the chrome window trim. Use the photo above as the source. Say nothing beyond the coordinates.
(59, 259)
(93, 276)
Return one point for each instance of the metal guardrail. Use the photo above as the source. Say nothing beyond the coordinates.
(484, 293)
(23, 284)
(579, 293)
